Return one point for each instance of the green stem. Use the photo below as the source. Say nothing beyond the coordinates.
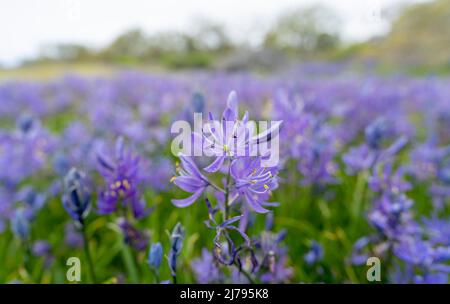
(227, 194)
(156, 275)
(226, 216)
(88, 254)
(358, 195)
(174, 279)
(129, 261)
(27, 258)
(246, 274)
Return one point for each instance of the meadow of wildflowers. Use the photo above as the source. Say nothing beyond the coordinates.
(87, 171)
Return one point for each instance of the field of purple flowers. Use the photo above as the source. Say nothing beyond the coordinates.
(86, 171)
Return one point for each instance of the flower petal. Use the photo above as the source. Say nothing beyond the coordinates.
(215, 165)
(181, 203)
(191, 167)
(189, 183)
(254, 204)
(231, 221)
(267, 135)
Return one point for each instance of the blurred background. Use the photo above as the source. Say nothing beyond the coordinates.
(47, 38)
(356, 83)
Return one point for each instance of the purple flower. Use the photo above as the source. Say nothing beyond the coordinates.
(376, 132)
(254, 182)
(430, 261)
(273, 256)
(315, 254)
(122, 178)
(20, 224)
(176, 243)
(205, 268)
(391, 216)
(358, 159)
(132, 236)
(226, 254)
(359, 255)
(231, 136)
(32, 199)
(43, 249)
(279, 272)
(73, 238)
(155, 255)
(385, 178)
(437, 230)
(76, 197)
(191, 180)
(364, 157)
(432, 278)
(221, 138)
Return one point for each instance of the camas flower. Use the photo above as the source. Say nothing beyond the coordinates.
(76, 197)
(155, 255)
(43, 249)
(20, 224)
(226, 254)
(315, 253)
(254, 182)
(73, 238)
(232, 136)
(376, 132)
(428, 261)
(221, 138)
(360, 253)
(132, 236)
(391, 216)
(205, 268)
(176, 243)
(191, 180)
(32, 200)
(367, 155)
(122, 178)
(279, 272)
(385, 178)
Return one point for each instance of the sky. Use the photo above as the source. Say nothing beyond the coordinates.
(27, 25)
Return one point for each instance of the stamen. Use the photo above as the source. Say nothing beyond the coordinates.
(126, 184)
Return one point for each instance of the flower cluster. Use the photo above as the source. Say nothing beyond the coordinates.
(121, 174)
(247, 183)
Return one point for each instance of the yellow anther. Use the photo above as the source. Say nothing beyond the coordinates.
(113, 193)
(118, 184)
(266, 187)
(126, 184)
(226, 148)
(173, 179)
(121, 193)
